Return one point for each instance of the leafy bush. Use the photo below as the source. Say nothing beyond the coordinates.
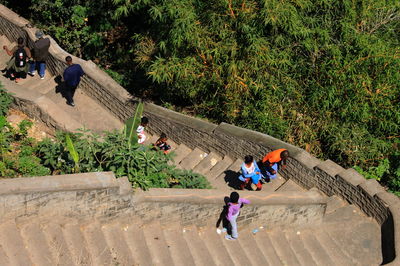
(5, 101)
(143, 166)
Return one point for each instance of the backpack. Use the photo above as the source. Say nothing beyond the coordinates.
(20, 57)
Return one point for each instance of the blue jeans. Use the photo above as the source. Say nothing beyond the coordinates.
(275, 167)
(40, 64)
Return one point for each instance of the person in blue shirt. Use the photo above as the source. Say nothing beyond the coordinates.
(72, 77)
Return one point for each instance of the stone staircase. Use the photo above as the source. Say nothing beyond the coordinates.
(351, 241)
(87, 112)
(345, 237)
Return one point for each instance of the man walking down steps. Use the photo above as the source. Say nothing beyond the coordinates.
(72, 77)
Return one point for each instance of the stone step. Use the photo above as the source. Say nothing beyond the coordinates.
(136, 242)
(346, 214)
(316, 250)
(197, 247)
(296, 244)
(97, 245)
(253, 251)
(219, 168)
(286, 185)
(216, 247)
(77, 244)
(37, 245)
(114, 235)
(178, 247)
(228, 179)
(57, 243)
(267, 248)
(13, 245)
(87, 111)
(274, 185)
(334, 203)
(158, 248)
(193, 159)
(181, 152)
(4, 260)
(334, 251)
(43, 86)
(207, 163)
(235, 250)
(282, 248)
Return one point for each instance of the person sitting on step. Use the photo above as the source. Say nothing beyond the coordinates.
(272, 162)
(161, 144)
(251, 174)
(140, 130)
(18, 64)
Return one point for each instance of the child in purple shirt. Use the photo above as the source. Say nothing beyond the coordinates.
(234, 205)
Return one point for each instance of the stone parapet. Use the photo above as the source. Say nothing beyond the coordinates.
(229, 140)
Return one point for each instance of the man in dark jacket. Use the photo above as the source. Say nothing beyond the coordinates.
(72, 77)
(40, 53)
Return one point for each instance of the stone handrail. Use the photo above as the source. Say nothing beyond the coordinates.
(226, 139)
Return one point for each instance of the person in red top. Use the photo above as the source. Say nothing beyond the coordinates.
(272, 160)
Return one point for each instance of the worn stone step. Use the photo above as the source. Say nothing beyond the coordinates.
(193, 159)
(267, 248)
(87, 111)
(216, 247)
(273, 185)
(253, 251)
(77, 244)
(219, 168)
(136, 242)
(334, 251)
(178, 248)
(282, 248)
(13, 245)
(57, 243)
(207, 163)
(197, 247)
(235, 249)
(229, 178)
(4, 260)
(99, 251)
(159, 249)
(334, 203)
(180, 153)
(114, 235)
(42, 86)
(296, 244)
(316, 250)
(37, 245)
(360, 240)
(286, 185)
(346, 214)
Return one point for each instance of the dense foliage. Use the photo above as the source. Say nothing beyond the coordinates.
(21, 155)
(321, 74)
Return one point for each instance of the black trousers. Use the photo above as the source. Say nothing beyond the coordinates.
(69, 93)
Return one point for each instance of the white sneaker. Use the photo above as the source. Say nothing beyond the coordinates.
(228, 237)
(31, 73)
(42, 77)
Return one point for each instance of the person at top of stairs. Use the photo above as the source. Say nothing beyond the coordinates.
(272, 162)
(72, 77)
(161, 144)
(234, 205)
(18, 64)
(140, 130)
(40, 54)
(251, 174)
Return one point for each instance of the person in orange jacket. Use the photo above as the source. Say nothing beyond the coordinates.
(273, 160)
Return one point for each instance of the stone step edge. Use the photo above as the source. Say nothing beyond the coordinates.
(41, 107)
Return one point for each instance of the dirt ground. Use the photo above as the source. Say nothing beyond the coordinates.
(38, 130)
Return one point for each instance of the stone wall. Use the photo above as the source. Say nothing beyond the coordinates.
(80, 195)
(203, 207)
(229, 140)
(102, 196)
